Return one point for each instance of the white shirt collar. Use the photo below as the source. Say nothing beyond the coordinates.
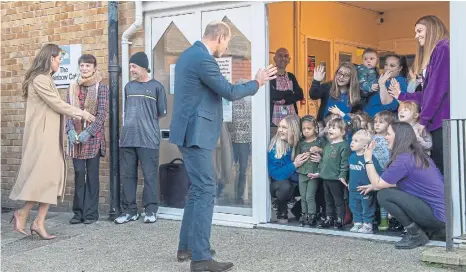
(210, 53)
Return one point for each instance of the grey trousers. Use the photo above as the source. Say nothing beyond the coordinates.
(149, 158)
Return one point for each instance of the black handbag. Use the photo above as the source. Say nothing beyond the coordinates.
(174, 184)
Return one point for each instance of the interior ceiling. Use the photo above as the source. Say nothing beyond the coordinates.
(386, 6)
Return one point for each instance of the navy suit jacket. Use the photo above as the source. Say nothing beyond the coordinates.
(199, 87)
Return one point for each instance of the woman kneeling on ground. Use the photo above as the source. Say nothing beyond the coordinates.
(411, 187)
(282, 164)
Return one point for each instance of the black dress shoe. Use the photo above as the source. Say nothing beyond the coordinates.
(211, 266)
(90, 221)
(186, 255)
(76, 220)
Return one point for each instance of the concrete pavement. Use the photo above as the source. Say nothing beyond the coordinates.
(136, 246)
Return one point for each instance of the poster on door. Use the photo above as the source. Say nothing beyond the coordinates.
(225, 65)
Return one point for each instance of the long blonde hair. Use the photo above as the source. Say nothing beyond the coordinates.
(435, 31)
(40, 66)
(281, 146)
(354, 92)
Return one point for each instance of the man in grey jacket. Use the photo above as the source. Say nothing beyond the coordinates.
(195, 127)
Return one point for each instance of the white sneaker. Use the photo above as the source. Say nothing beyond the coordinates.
(150, 218)
(125, 218)
(366, 228)
(356, 227)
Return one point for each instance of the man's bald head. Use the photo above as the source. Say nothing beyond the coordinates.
(282, 50)
(216, 29)
(282, 58)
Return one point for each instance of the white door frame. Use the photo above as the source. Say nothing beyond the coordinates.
(260, 119)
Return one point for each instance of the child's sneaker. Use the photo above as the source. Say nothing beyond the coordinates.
(327, 223)
(356, 227)
(383, 224)
(366, 228)
(338, 224)
(312, 220)
(303, 221)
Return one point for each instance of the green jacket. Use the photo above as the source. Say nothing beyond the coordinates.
(335, 161)
(303, 147)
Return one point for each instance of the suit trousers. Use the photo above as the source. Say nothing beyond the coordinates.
(197, 217)
(129, 158)
(86, 188)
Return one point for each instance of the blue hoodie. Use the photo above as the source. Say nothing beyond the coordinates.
(374, 105)
(280, 169)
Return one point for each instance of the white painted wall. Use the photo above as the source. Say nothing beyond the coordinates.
(458, 109)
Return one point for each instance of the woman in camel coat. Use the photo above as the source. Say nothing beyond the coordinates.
(42, 175)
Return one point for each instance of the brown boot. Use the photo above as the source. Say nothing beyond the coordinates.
(186, 255)
(211, 266)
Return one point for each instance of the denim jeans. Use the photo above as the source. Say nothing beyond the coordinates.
(197, 217)
(362, 207)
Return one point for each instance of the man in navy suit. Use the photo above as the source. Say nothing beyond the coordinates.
(195, 128)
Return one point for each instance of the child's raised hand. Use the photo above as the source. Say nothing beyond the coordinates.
(375, 87)
(319, 73)
(336, 110)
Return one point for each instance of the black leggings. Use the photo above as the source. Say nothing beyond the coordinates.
(408, 208)
(283, 190)
(437, 148)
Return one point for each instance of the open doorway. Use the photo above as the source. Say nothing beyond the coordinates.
(329, 33)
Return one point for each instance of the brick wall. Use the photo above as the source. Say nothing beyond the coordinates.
(25, 27)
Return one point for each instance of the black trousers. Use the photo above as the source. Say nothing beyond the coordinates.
(149, 158)
(283, 190)
(334, 198)
(408, 208)
(437, 148)
(86, 188)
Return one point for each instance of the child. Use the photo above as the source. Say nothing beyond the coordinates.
(333, 169)
(367, 73)
(362, 206)
(329, 117)
(366, 121)
(414, 82)
(382, 121)
(311, 143)
(408, 112)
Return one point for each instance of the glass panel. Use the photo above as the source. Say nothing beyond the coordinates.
(232, 157)
(165, 53)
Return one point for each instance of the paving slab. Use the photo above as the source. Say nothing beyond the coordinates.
(136, 246)
(456, 257)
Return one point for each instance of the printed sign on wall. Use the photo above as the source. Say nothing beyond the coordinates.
(225, 65)
(69, 68)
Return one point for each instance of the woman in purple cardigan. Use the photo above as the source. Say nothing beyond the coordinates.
(433, 64)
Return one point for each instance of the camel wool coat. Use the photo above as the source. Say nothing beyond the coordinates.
(42, 174)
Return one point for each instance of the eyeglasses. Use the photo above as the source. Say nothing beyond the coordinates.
(344, 76)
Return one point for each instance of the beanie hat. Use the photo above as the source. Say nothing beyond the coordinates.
(140, 59)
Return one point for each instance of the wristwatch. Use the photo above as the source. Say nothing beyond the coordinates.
(369, 162)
